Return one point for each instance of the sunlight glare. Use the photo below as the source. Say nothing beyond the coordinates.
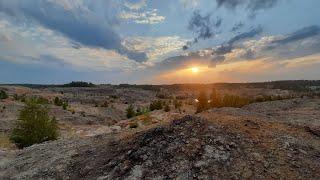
(195, 69)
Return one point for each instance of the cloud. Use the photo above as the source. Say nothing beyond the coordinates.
(73, 19)
(229, 46)
(203, 27)
(42, 46)
(156, 48)
(189, 4)
(135, 4)
(304, 42)
(145, 17)
(237, 26)
(252, 5)
(299, 34)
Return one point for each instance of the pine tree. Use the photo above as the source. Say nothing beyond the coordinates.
(34, 125)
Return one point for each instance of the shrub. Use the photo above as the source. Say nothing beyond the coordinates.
(3, 95)
(34, 125)
(234, 101)
(177, 104)
(202, 102)
(156, 105)
(167, 108)
(57, 101)
(130, 111)
(141, 111)
(65, 106)
(215, 99)
(41, 100)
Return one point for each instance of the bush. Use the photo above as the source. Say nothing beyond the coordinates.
(202, 102)
(3, 95)
(65, 106)
(234, 101)
(177, 104)
(167, 108)
(41, 100)
(215, 99)
(57, 101)
(34, 126)
(156, 105)
(130, 111)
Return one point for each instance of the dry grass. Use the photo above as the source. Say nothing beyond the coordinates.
(5, 142)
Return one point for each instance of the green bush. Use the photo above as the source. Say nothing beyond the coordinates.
(41, 100)
(167, 108)
(57, 101)
(156, 105)
(65, 105)
(34, 125)
(3, 95)
(130, 111)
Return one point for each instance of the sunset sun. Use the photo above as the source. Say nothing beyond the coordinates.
(195, 69)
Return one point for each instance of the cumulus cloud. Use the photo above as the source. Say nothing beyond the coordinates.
(145, 17)
(74, 19)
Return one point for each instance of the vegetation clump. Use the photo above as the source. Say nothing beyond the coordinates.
(167, 108)
(3, 95)
(202, 102)
(59, 102)
(34, 125)
(79, 84)
(130, 111)
(156, 105)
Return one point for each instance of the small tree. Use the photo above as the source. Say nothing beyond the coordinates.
(34, 126)
(3, 95)
(130, 111)
(203, 102)
(215, 99)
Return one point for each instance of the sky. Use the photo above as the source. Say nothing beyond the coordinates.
(158, 41)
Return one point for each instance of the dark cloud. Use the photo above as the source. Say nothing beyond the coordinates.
(78, 24)
(245, 35)
(203, 27)
(229, 46)
(237, 27)
(299, 34)
(251, 5)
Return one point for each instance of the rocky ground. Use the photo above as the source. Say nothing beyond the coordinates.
(271, 140)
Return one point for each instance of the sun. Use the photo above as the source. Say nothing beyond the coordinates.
(195, 69)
